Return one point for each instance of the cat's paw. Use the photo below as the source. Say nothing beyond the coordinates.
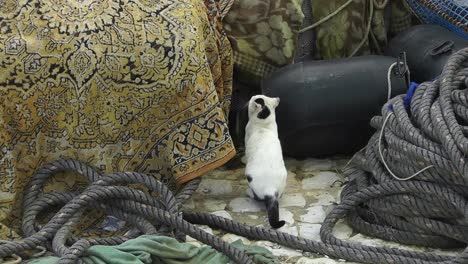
(244, 159)
(250, 193)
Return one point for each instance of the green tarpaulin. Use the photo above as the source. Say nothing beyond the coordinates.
(165, 250)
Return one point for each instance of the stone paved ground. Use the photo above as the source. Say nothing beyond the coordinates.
(313, 189)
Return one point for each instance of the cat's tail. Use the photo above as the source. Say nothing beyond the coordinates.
(272, 207)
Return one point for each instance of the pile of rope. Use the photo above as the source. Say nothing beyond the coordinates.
(429, 209)
(423, 144)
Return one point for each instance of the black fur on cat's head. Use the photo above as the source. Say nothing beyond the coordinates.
(265, 112)
(262, 107)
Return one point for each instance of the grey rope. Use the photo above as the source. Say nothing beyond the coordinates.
(428, 141)
(105, 193)
(430, 209)
(224, 7)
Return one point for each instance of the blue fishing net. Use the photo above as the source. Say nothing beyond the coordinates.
(451, 14)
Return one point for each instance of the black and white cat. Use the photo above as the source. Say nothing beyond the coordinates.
(265, 169)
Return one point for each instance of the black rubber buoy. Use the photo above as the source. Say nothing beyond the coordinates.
(326, 106)
(427, 48)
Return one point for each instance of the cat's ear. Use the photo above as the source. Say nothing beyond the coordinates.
(277, 101)
(257, 106)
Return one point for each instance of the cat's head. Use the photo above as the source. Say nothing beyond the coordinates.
(262, 107)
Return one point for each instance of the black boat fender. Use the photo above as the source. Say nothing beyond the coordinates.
(428, 48)
(326, 106)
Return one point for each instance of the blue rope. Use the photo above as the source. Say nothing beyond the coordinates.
(409, 95)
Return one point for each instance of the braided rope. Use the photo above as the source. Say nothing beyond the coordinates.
(430, 209)
(225, 7)
(430, 134)
(138, 208)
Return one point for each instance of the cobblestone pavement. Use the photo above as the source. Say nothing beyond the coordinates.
(312, 190)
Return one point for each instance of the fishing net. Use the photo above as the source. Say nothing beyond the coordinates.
(451, 14)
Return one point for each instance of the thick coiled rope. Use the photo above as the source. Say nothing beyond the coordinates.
(430, 209)
(427, 140)
(109, 194)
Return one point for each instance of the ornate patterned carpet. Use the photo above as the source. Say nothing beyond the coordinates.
(127, 85)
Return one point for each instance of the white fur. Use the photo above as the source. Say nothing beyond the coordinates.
(263, 151)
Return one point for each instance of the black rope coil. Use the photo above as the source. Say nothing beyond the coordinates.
(430, 209)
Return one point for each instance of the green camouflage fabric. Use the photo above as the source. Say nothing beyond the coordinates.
(342, 34)
(263, 33)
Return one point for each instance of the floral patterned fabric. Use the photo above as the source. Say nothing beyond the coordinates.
(263, 34)
(126, 85)
(343, 33)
